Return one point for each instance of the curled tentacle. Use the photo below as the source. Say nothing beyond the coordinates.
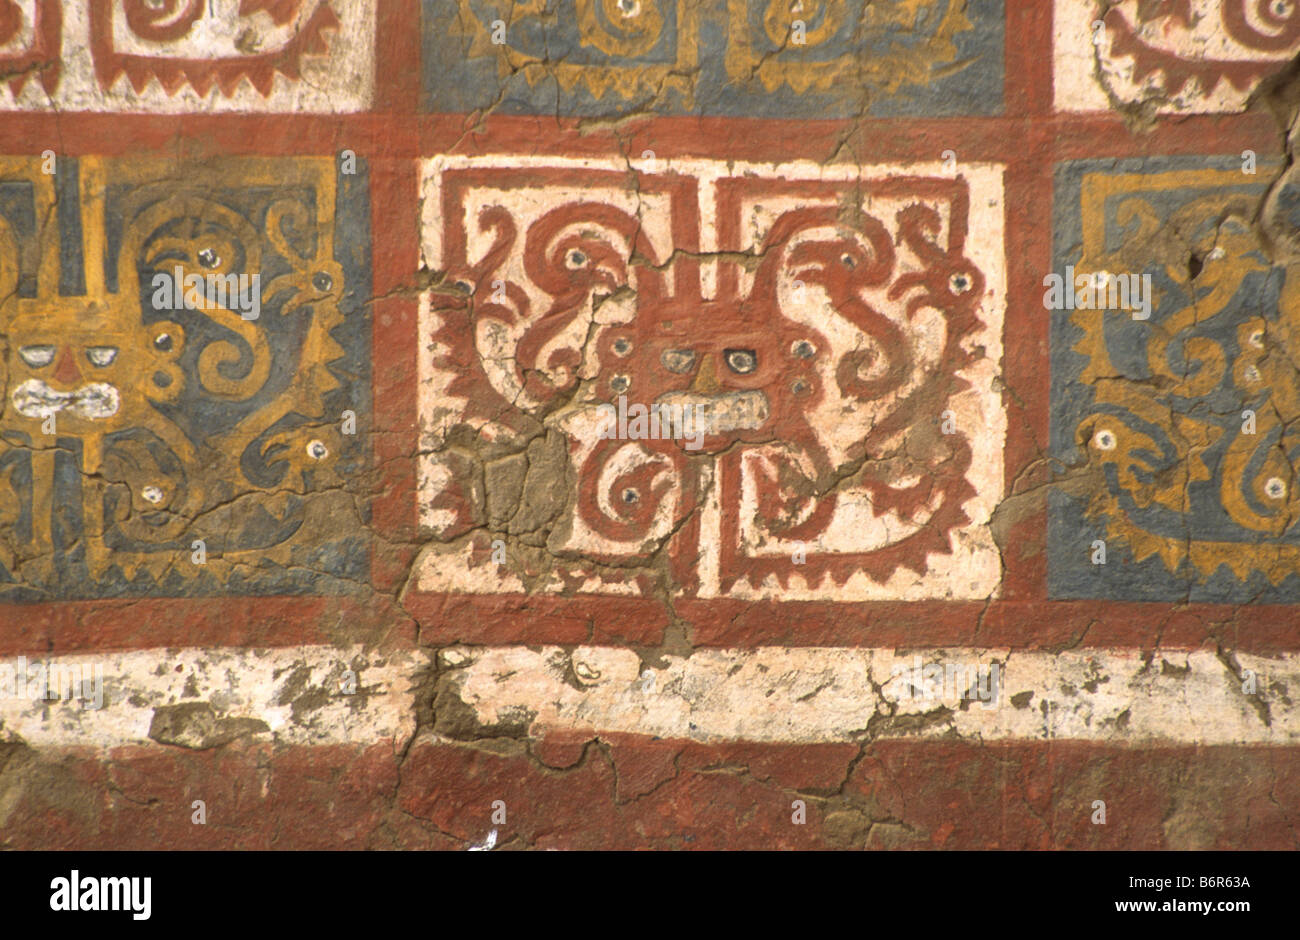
(624, 485)
(163, 20)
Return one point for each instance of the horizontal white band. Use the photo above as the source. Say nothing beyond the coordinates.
(201, 697)
(320, 695)
(805, 695)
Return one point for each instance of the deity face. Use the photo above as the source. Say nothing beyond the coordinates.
(72, 364)
(747, 379)
(819, 327)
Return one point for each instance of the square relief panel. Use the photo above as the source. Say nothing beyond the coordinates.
(1175, 420)
(183, 347)
(756, 58)
(692, 378)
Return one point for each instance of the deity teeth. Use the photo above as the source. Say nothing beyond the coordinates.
(723, 413)
(35, 399)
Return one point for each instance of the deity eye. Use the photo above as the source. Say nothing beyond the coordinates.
(322, 281)
(847, 260)
(209, 258)
(37, 356)
(678, 360)
(959, 283)
(101, 356)
(317, 450)
(575, 259)
(742, 361)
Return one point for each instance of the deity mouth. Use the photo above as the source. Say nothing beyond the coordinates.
(722, 413)
(35, 399)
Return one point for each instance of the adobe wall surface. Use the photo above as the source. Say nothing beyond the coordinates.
(649, 423)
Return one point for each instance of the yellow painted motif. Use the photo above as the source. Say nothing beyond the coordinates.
(1258, 487)
(616, 28)
(88, 367)
(914, 64)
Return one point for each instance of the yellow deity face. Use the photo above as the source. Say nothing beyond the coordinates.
(67, 368)
(83, 369)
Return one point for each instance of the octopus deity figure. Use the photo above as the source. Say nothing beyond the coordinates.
(815, 369)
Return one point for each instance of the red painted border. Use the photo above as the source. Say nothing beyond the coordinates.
(375, 135)
(1005, 624)
(395, 257)
(118, 624)
(634, 792)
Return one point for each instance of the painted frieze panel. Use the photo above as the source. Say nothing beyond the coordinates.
(756, 58)
(1175, 416)
(186, 361)
(710, 379)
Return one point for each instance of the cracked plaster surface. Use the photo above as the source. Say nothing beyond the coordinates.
(505, 698)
